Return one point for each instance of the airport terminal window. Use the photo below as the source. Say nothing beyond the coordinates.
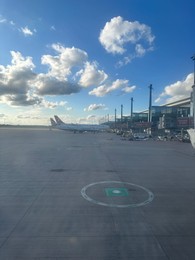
(183, 111)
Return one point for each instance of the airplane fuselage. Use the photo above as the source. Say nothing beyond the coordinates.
(59, 124)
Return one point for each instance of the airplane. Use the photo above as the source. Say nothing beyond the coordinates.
(59, 124)
(53, 123)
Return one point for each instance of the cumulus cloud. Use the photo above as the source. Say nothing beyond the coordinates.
(129, 89)
(91, 76)
(68, 72)
(20, 86)
(21, 100)
(60, 66)
(107, 88)
(178, 90)
(15, 81)
(47, 85)
(94, 107)
(118, 33)
(140, 51)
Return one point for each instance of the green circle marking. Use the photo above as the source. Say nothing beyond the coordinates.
(133, 205)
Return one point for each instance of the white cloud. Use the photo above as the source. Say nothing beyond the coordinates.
(49, 104)
(27, 32)
(60, 66)
(30, 115)
(129, 89)
(20, 86)
(90, 119)
(94, 107)
(106, 89)
(3, 20)
(20, 63)
(23, 116)
(53, 28)
(177, 90)
(21, 100)
(62, 103)
(124, 61)
(15, 81)
(118, 33)
(140, 51)
(47, 85)
(12, 23)
(91, 76)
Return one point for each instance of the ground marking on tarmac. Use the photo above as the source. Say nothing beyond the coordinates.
(117, 192)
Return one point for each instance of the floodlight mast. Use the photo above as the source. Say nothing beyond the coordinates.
(193, 91)
(132, 109)
(150, 105)
(193, 58)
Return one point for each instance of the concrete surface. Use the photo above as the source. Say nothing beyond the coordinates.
(44, 215)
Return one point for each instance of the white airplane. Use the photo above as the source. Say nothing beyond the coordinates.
(59, 124)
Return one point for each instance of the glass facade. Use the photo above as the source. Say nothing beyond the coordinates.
(163, 117)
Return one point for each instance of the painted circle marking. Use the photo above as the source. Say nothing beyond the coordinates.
(133, 205)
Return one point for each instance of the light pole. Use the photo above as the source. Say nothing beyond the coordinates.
(150, 105)
(193, 58)
(121, 113)
(131, 109)
(115, 118)
(193, 91)
(191, 132)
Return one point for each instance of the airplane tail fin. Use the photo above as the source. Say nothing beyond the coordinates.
(53, 123)
(58, 120)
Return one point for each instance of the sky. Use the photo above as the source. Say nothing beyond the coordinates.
(82, 59)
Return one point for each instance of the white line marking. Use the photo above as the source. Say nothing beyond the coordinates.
(149, 199)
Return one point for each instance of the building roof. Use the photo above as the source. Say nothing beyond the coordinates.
(185, 102)
(181, 102)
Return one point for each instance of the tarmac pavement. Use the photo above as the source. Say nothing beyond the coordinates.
(93, 196)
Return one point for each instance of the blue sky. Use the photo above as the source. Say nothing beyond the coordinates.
(82, 59)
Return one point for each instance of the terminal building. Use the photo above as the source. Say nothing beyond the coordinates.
(171, 117)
